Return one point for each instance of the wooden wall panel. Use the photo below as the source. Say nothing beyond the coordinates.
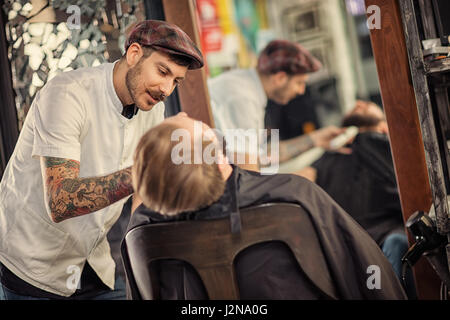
(194, 96)
(404, 128)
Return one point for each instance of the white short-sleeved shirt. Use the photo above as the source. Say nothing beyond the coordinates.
(238, 101)
(76, 115)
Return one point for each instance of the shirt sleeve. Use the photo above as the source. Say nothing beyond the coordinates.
(59, 115)
(240, 122)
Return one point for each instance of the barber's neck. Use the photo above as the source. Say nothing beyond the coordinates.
(119, 81)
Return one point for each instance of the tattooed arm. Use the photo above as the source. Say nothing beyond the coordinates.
(294, 147)
(69, 196)
(319, 138)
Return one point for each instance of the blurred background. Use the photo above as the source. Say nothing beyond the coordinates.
(42, 43)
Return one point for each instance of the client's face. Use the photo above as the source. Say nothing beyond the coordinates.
(367, 109)
(364, 115)
(182, 120)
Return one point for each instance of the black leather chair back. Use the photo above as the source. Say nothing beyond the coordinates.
(210, 247)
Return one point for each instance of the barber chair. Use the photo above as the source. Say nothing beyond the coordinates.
(210, 248)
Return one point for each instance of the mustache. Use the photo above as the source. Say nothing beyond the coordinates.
(157, 95)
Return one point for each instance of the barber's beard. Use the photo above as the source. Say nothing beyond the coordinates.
(280, 95)
(131, 80)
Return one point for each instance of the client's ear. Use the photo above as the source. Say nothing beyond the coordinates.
(279, 79)
(224, 166)
(383, 127)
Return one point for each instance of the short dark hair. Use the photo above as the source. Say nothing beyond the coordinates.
(286, 56)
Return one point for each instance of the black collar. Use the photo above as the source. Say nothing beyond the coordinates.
(129, 111)
(227, 205)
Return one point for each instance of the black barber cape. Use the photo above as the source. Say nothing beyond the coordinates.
(363, 184)
(269, 271)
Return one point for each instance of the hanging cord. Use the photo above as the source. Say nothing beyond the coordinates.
(235, 216)
(411, 257)
(405, 266)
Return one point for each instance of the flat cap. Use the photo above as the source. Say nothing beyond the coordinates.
(166, 37)
(287, 56)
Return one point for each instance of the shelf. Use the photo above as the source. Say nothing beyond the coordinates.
(438, 66)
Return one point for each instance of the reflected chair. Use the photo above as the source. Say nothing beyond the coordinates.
(210, 248)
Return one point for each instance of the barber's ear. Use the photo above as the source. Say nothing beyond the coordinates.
(222, 160)
(280, 78)
(134, 53)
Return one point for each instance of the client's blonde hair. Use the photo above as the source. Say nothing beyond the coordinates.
(170, 188)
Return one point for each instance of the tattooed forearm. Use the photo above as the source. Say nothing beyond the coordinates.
(70, 196)
(294, 147)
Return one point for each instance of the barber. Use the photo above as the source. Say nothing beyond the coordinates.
(239, 98)
(69, 175)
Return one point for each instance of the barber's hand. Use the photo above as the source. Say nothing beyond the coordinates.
(322, 137)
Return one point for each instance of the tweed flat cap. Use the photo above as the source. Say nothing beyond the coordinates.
(287, 56)
(166, 37)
